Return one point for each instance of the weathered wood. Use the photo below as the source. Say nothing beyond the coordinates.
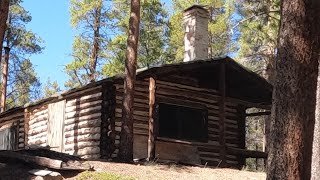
(177, 152)
(56, 125)
(83, 105)
(42, 161)
(151, 138)
(259, 113)
(180, 86)
(25, 128)
(83, 100)
(248, 104)
(222, 116)
(83, 124)
(84, 112)
(82, 131)
(84, 151)
(82, 118)
(246, 153)
(79, 145)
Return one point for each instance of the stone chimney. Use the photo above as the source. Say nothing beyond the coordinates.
(196, 40)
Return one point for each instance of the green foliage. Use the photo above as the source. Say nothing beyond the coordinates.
(90, 19)
(152, 40)
(51, 88)
(100, 176)
(258, 35)
(220, 40)
(23, 83)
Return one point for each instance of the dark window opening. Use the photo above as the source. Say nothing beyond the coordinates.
(183, 123)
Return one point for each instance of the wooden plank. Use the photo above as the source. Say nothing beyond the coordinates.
(42, 161)
(222, 106)
(259, 113)
(177, 152)
(247, 153)
(56, 125)
(152, 97)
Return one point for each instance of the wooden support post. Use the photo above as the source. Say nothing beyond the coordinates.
(26, 125)
(152, 97)
(222, 114)
(242, 133)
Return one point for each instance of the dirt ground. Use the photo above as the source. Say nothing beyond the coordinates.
(174, 172)
(143, 172)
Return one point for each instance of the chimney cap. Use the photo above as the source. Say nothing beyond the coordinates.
(196, 6)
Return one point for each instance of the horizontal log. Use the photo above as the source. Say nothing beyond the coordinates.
(80, 145)
(42, 161)
(180, 86)
(136, 99)
(83, 112)
(38, 124)
(259, 113)
(83, 124)
(84, 151)
(91, 156)
(32, 134)
(38, 113)
(74, 101)
(189, 96)
(246, 153)
(11, 117)
(249, 104)
(82, 131)
(83, 106)
(38, 108)
(82, 118)
(83, 138)
(38, 141)
(135, 112)
(37, 130)
(82, 92)
(44, 117)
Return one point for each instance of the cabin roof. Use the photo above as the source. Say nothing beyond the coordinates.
(241, 82)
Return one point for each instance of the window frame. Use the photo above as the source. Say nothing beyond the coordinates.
(184, 104)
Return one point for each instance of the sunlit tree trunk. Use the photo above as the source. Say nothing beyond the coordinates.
(4, 10)
(5, 78)
(126, 140)
(294, 95)
(96, 44)
(315, 171)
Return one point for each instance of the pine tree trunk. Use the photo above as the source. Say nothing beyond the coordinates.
(5, 78)
(96, 44)
(315, 171)
(4, 10)
(126, 140)
(294, 96)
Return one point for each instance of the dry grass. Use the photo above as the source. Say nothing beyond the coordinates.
(173, 172)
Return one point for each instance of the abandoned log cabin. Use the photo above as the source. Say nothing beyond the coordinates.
(193, 112)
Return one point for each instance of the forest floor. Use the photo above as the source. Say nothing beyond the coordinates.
(120, 171)
(165, 172)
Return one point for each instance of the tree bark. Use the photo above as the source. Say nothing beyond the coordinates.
(315, 170)
(96, 44)
(5, 78)
(294, 95)
(126, 139)
(4, 10)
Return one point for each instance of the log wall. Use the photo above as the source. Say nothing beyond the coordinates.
(140, 116)
(187, 96)
(82, 123)
(15, 118)
(37, 126)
